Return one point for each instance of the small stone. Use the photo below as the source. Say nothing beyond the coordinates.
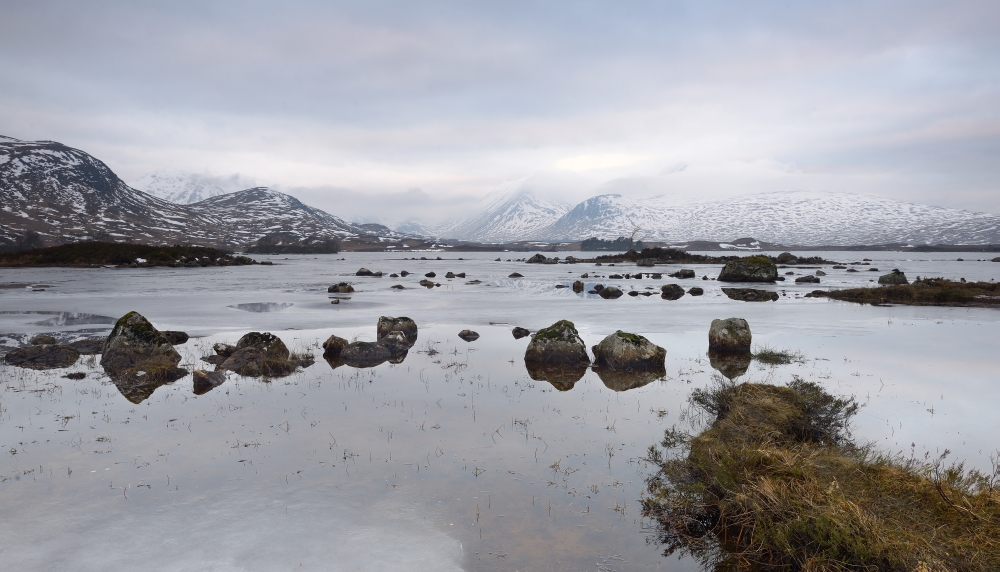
(515, 275)
(520, 332)
(469, 335)
(696, 291)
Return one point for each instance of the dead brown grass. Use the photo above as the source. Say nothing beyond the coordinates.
(926, 292)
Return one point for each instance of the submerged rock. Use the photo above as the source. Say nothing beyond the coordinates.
(43, 340)
(671, 291)
(260, 354)
(402, 324)
(558, 344)
(750, 269)
(205, 381)
(468, 335)
(341, 288)
(365, 354)
(45, 356)
(750, 294)
(176, 338)
(520, 332)
(88, 346)
(894, 277)
(136, 349)
(731, 365)
(625, 351)
(562, 376)
(731, 335)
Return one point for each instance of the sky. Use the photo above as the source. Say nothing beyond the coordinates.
(402, 110)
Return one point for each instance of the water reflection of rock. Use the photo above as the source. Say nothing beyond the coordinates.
(261, 307)
(205, 381)
(562, 376)
(731, 365)
(138, 388)
(624, 380)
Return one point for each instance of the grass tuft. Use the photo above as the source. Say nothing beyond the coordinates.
(772, 356)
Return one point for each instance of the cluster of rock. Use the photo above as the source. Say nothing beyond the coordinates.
(541, 259)
(395, 337)
(257, 354)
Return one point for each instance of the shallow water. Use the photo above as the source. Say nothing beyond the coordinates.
(454, 459)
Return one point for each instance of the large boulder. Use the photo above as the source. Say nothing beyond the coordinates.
(260, 354)
(540, 259)
(136, 349)
(671, 291)
(403, 324)
(645, 262)
(893, 278)
(397, 345)
(731, 335)
(88, 346)
(625, 351)
(333, 346)
(43, 356)
(807, 279)
(683, 273)
(750, 295)
(558, 344)
(749, 269)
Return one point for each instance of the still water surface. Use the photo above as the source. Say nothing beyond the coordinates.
(454, 459)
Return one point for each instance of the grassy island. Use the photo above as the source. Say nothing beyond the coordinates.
(91, 254)
(925, 292)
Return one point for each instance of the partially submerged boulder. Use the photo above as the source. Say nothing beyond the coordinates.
(88, 346)
(402, 324)
(749, 269)
(683, 273)
(750, 294)
(807, 279)
(894, 277)
(397, 345)
(468, 335)
(696, 291)
(340, 288)
(611, 293)
(558, 344)
(520, 332)
(540, 259)
(671, 291)
(260, 354)
(43, 356)
(645, 262)
(515, 275)
(136, 349)
(731, 335)
(333, 346)
(625, 351)
(578, 286)
(786, 258)
(365, 354)
(366, 272)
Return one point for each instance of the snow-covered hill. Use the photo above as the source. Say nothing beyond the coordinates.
(511, 212)
(178, 187)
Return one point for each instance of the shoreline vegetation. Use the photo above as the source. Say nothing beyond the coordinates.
(121, 255)
(922, 292)
(776, 483)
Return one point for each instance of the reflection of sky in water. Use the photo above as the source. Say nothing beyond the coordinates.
(454, 457)
(260, 307)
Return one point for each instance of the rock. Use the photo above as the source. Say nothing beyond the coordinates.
(633, 293)
(789, 273)
(997, 259)
(852, 269)
(683, 273)
(43, 340)
(136, 349)
(780, 278)
(397, 287)
(176, 338)
(671, 292)
(366, 272)
(402, 324)
(894, 277)
(558, 344)
(472, 282)
(426, 283)
(578, 286)
(540, 259)
(449, 275)
(645, 262)
(820, 273)
(696, 291)
(731, 335)
(430, 275)
(786, 258)
(394, 275)
(611, 293)
(468, 335)
(750, 294)
(562, 377)
(515, 275)
(585, 275)
(224, 350)
(333, 346)
(397, 345)
(750, 269)
(341, 288)
(89, 346)
(731, 365)
(365, 354)
(625, 351)
(807, 279)
(404, 274)
(260, 354)
(460, 274)
(839, 267)
(76, 375)
(559, 286)
(520, 332)
(615, 277)
(205, 381)
(45, 356)
(873, 270)
(598, 287)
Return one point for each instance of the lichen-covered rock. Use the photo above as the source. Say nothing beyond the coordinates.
(610, 292)
(731, 335)
(578, 286)
(558, 344)
(731, 365)
(136, 349)
(340, 288)
(671, 291)
(749, 269)
(625, 351)
(43, 340)
(894, 277)
(224, 350)
(520, 332)
(403, 324)
(260, 354)
(44, 356)
(333, 346)
(176, 338)
(365, 354)
(750, 295)
(468, 335)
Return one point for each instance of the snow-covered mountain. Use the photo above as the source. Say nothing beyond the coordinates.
(65, 194)
(788, 217)
(509, 213)
(179, 187)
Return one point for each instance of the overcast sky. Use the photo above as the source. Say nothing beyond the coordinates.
(415, 108)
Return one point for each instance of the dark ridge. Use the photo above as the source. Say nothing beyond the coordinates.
(89, 254)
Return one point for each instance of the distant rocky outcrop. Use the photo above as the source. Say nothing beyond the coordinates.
(750, 295)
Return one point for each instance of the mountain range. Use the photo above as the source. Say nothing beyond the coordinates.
(65, 194)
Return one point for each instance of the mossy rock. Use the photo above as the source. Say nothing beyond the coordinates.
(894, 278)
(557, 344)
(731, 335)
(628, 352)
(134, 345)
(333, 346)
